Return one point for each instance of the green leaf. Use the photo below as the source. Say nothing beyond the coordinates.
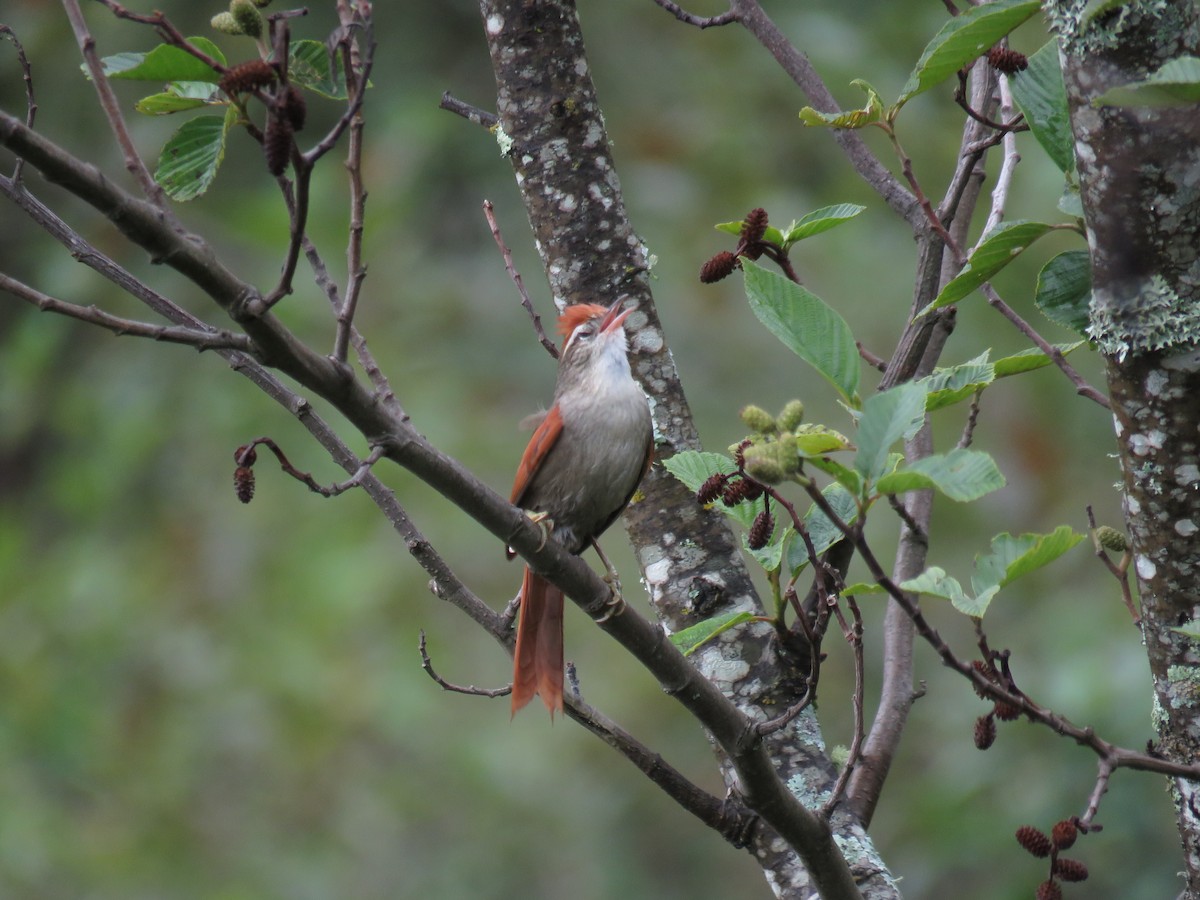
(854, 118)
(165, 63)
(1071, 203)
(1191, 629)
(1028, 360)
(1012, 557)
(821, 530)
(935, 582)
(817, 440)
(822, 220)
(190, 159)
(694, 467)
(886, 418)
(1001, 246)
(964, 38)
(179, 96)
(810, 328)
(309, 66)
(692, 638)
(863, 587)
(1176, 83)
(961, 475)
(1064, 290)
(947, 386)
(772, 234)
(843, 475)
(1040, 94)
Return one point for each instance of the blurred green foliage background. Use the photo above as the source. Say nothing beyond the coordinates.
(205, 700)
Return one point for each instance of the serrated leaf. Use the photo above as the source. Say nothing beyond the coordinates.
(935, 582)
(1176, 83)
(817, 440)
(961, 475)
(1064, 290)
(165, 63)
(309, 66)
(810, 328)
(886, 418)
(1028, 360)
(1012, 557)
(821, 530)
(820, 220)
(949, 385)
(190, 159)
(854, 118)
(1000, 247)
(964, 38)
(694, 467)
(1040, 94)
(179, 96)
(692, 638)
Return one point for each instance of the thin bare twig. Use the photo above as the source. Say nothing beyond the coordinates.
(1119, 570)
(246, 455)
(853, 636)
(356, 72)
(1082, 388)
(688, 18)
(968, 433)
(489, 213)
(1008, 165)
(30, 103)
(467, 111)
(427, 665)
(112, 110)
(172, 334)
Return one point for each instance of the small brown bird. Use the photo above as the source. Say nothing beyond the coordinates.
(580, 469)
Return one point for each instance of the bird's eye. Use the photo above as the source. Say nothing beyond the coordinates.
(585, 332)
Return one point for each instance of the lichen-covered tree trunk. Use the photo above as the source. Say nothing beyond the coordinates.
(554, 134)
(1139, 168)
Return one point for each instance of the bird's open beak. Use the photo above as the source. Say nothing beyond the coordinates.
(615, 316)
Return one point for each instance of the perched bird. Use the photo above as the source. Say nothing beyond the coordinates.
(579, 471)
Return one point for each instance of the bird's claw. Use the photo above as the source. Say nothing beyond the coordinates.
(616, 603)
(543, 520)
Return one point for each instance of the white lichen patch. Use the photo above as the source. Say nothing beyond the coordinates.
(567, 203)
(657, 573)
(648, 340)
(495, 24)
(504, 141)
(1155, 382)
(1146, 568)
(1185, 528)
(1145, 444)
(1187, 474)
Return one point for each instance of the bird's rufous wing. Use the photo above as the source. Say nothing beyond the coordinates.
(539, 445)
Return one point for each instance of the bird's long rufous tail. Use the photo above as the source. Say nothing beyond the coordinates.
(538, 660)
